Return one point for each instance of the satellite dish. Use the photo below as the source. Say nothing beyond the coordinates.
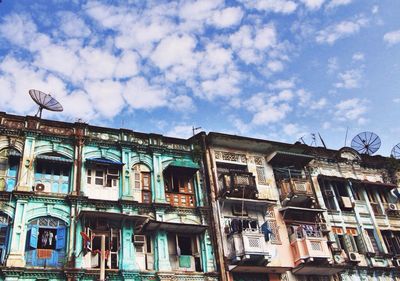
(396, 151)
(366, 143)
(45, 101)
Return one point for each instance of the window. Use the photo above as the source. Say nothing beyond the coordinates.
(260, 170)
(179, 186)
(46, 242)
(93, 232)
(374, 242)
(142, 181)
(9, 162)
(52, 177)
(102, 177)
(184, 249)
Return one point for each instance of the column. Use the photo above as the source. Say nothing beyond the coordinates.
(159, 189)
(26, 172)
(16, 257)
(161, 252)
(128, 256)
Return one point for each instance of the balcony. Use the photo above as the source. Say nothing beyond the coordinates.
(239, 184)
(180, 199)
(296, 192)
(248, 248)
(309, 245)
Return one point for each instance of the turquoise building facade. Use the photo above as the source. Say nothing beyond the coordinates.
(64, 185)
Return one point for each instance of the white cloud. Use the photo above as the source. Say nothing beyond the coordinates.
(128, 65)
(182, 103)
(72, 25)
(174, 50)
(358, 56)
(375, 9)
(392, 38)
(276, 6)
(349, 79)
(106, 97)
(313, 4)
(340, 30)
(351, 110)
(333, 65)
(294, 130)
(250, 42)
(180, 131)
(275, 66)
(396, 100)
(271, 114)
(18, 29)
(227, 17)
(140, 95)
(336, 3)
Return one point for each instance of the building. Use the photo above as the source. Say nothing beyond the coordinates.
(212, 207)
(292, 212)
(65, 185)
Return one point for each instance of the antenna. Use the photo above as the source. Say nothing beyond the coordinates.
(345, 138)
(322, 141)
(45, 101)
(366, 143)
(396, 151)
(194, 129)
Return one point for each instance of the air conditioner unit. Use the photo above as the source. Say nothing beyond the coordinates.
(354, 257)
(392, 207)
(139, 239)
(324, 227)
(338, 259)
(42, 187)
(396, 262)
(300, 187)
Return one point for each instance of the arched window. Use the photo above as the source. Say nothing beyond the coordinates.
(4, 235)
(9, 162)
(142, 182)
(46, 242)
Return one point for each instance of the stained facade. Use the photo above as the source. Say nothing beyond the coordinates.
(65, 185)
(212, 207)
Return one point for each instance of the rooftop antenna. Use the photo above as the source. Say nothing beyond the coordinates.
(194, 129)
(302, 139)
(345, 138)
(45, 101)
(366, 143)
(313, 140)
(322, 141)
(396, 151)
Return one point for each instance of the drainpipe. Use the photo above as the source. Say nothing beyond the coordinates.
(215, 223)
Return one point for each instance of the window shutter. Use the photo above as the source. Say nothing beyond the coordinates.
(33, 239)
(362, 247)
(347, 243)
(60, 243)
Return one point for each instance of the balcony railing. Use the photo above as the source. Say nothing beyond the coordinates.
(308, 244)
(299, 187)
(180, 199)
(239, 184)
(248, 247)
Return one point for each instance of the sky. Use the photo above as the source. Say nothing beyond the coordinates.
(270, 69)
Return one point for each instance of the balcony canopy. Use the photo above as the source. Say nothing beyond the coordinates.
(103, 161)
(138, 219)
(53, 158)
(153, 225)
(183, 163)
(300, 214)
(287, 159)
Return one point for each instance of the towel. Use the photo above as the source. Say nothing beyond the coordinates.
(44, 253)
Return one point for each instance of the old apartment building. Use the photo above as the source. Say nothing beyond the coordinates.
(212, 207)
(65, 185)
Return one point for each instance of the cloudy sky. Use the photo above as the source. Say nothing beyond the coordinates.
(274, 69)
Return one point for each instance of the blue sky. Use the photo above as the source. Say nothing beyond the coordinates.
(272, 69)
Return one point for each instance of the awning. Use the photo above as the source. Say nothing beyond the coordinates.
(175, 227)
(376, 184)
(287, 159)
(333, 178)
(103, 161)
(249, 202)
(317, 268)
(182, 163)
(300, 214)
(139, 219)
(53, 159)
